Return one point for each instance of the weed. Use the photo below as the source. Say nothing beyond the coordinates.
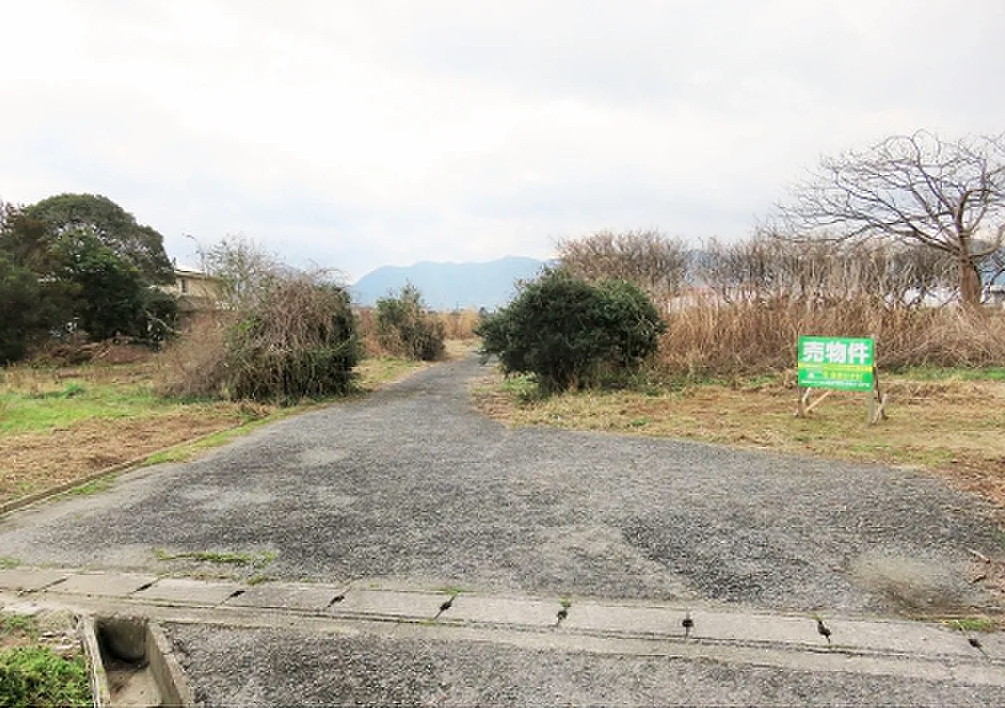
(566, 602)
(233, 558)
(18, 625)
(254, 559)
(6, 562)
(935, 373)
(523, 386)
(96, 486)
(259, 578)
(37, 676)
(973, 624)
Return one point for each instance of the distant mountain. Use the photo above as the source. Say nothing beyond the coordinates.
(451, 286)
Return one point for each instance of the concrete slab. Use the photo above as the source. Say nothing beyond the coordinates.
(119, 585)
(390, 603)
(908, 638)
(640, 621)
(993, 643)
(311, 598)
(665, 621)
(754, 629)
(502, 610)
(189, 592)
(30, 579)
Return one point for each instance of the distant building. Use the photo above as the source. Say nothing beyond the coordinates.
(196, 291)
(996, 295)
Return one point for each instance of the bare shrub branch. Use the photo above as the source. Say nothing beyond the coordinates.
(645, 257)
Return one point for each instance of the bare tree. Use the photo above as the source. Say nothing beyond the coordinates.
(817, 272)
(245, 268)
(645, 257)
(916, 189)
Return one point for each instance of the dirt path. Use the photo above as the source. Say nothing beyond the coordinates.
(412, 486)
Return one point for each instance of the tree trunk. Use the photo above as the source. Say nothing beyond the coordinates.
(970, 282)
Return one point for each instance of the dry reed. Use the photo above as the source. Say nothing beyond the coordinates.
(709, 338)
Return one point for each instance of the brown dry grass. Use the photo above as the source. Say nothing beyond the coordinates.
(42, 460)
(706, 337)
(459, 324)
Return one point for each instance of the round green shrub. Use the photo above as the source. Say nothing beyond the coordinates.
(570, 333)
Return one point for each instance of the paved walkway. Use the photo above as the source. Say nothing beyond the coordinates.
(857, 646)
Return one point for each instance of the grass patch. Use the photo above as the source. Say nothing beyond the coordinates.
(58, 425)
(18, 625)
(37, 676)
(973, 624)
(936, 373)
(258, 559)
(32, 674)
(7, 563)
(96, 486)
(523, 386)
(38, 409)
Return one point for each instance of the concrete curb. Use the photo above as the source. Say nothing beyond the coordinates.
(166, 670)
(710, 629)
(92, 650)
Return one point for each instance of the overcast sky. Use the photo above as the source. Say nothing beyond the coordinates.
(353, 134)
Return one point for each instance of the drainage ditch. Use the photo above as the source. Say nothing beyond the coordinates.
(133, 665)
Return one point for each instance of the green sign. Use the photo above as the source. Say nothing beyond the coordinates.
(836, 362)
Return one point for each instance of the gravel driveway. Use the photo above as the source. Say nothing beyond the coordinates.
(412, 486)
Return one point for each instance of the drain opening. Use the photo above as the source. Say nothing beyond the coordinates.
(122, 642)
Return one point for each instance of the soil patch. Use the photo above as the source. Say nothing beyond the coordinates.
(34, 461)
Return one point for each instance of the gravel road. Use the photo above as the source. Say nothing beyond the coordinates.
(411, 486)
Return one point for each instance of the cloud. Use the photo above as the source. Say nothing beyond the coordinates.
(355, 134)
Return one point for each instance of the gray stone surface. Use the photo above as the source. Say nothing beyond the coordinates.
(287, 596)
(30, 579)
(104, 585)
(390, 603)
(189, 591)
(124, 637)
(503, 610)
(272, 667)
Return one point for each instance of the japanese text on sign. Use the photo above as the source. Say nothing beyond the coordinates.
(836, 362)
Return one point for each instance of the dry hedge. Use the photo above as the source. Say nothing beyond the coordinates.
(297, 341)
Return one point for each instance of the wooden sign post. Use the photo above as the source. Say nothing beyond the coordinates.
(838, 364)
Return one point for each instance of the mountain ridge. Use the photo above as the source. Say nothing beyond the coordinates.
(450, 286)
